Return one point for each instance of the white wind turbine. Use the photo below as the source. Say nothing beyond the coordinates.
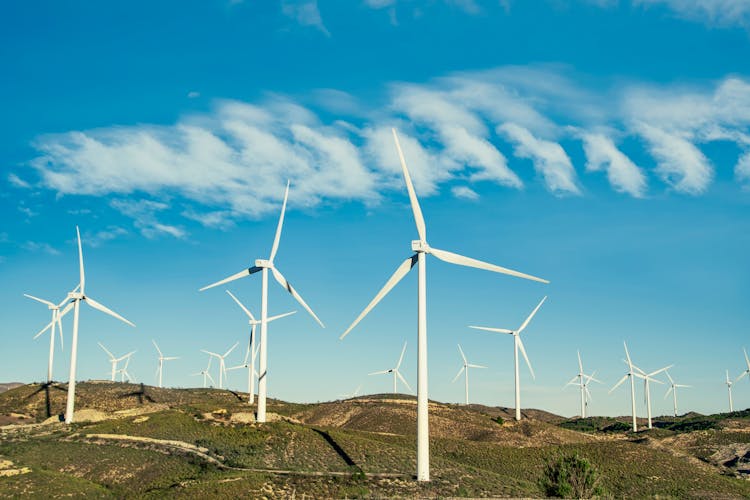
(162, 359)
(517, 344)
(77, 296)
(56, 321)
(222, 365)
(396, 374)
(583, 382)
(631, 375)
(465, 369)
(421, 249)
(251, 350)
(206, 374)
(263, 266)
(729, 388)
(648, 377)
(747, 370)
(353, 394)
(124, 370)
(114, 360)
(673, 389)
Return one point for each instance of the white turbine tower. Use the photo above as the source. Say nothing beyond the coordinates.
(222, 365)
(206, 374)
(583, 382)
(648, 377)
(421, 249)
(673, 389)
(114, 360)
(631, 375)
(465, 369)
(56, 321)
(729, 388)
(162, 359)
(263, 266)
(517, 344)
(77, 296)
(251, 350)
(396, 374)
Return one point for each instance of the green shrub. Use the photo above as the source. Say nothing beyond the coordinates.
(570, 476)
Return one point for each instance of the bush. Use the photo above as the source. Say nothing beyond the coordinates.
(570, 476)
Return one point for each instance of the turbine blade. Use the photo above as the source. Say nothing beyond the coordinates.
(60, 314)
(682, 385)
(475, 366)
(230, 350)
(157, 348)
(454, 258)
(588, 394)
(402, 379)
(111, 356)
(46, 302)
(401, 358)
(660, 370)
(279, 316)
(210, 354)
(210, 378)
(528, 320)
(82, 281)
(276, 239)
(401, 271)
(283, 282)
(669, 391)
(462, 353)
(669, 377)
(623, 379)
(106, 310)
(418, 218)
(580, 364)
(380, 372)
(495, 330)
(523, 351)
(736, 380)
(247, 311)
(60, 329)
(241, 274)
(235, 368)
(627, 354)
(572, 381)
(458, 374)
(747, 360)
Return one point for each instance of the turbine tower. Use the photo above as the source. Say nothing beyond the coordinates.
(631, 375)
(673, 389)
(583, 382)
(465, 369)
(56, 321)
(517, 344)
(114, 360)
(222, 365)
(396, 374)
(729, 388)
(251, 351)
(648, 377)
(263, 266)
(162, 359)
(75, 297)
(422, 249)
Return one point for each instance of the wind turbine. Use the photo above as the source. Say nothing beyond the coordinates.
(222, 366)
(583, 382)
(56, 320)
(648, 377)
(162, 359)
(114, 360)
(465, 369)
(75, 297)
(747, 370)
(353, 394)
(205, 373)
(631, 374)
(251, 351)
(729, 388)
(124, 370)
(263, 266)
(396, 374)
(517, 344)
(673, 389)
(421, 249)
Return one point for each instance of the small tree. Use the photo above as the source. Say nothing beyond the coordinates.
(571, 476)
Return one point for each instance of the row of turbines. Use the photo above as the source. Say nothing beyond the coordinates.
(420, 248)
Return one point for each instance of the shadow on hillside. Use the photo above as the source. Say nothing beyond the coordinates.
(236, 395)
(47, 404)
(338, 449)
(140, 394)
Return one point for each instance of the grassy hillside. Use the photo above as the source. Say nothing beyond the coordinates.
(198, 444)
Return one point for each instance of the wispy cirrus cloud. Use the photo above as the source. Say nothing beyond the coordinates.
(305, 13)
(713, 12)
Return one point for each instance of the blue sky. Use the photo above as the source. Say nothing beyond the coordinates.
(603, 145)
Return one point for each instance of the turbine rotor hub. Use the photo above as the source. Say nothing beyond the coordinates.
(263, 263)
(75, 296)
(420, 246)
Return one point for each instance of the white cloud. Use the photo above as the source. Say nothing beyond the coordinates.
(98, 238)
(193, 94)
(18, 182)
(304, 12)
(713, 12)
(549, 158)
(34, 246)
(622, 173)
(379, 4)
(464, 192)
(742, 170)
(679, 163)
(144, 214)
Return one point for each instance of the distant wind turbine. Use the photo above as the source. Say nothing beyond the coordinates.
(631, 375)
(75, 297)
(206, 374)
(396, 374)
(114, 360)
(56, 321)
(421, 249)
(648, 377)
(583, 382)
(465, 369)
(353, 394)
(673, 389)
(162, 359)
(222, 365)
(251, 350)
(124, 370)
(747, 370)
(263, 266)
(729, 388)
(517, 344)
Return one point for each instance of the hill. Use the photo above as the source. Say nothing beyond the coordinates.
(144, 441)
(4, 386)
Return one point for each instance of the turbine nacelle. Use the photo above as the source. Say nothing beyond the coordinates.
(420, 246)
(76, 296)
(263, 263)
